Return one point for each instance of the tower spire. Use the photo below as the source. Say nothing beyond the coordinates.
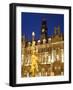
(44, 30)
(55, 32)
(58, 29)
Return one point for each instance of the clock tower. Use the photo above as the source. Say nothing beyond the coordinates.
(44, 30)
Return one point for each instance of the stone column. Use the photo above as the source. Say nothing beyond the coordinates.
(62, 55)
(52, 56)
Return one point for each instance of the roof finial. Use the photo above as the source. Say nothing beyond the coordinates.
(58, 29)
(55, 30)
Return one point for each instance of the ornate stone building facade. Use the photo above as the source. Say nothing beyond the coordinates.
(43, 57)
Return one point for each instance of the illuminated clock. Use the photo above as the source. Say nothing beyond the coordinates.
(43, 30)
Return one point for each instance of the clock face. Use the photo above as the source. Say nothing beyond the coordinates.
(43, 30)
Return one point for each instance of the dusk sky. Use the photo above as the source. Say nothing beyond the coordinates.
(32, 22)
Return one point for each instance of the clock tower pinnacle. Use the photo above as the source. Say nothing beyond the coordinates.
(44, 30)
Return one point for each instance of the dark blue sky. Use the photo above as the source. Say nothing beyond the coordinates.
(32, 22)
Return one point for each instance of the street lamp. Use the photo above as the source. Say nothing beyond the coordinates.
(33, 35)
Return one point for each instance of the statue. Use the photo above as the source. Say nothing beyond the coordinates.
(34, 60)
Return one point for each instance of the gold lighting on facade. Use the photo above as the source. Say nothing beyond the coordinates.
(44, 57)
